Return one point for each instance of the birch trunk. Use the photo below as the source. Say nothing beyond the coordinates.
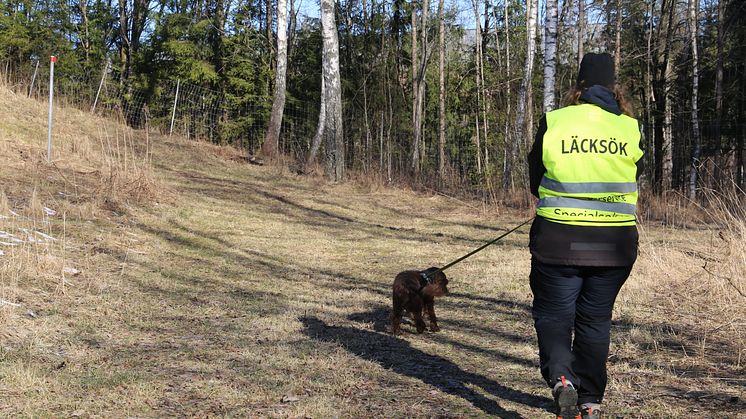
(316, 142)
(667, 80)
(507, 50)
(649, 97)
(333, 133)
(719, 76)
(419, 65)
(667, 144)
(124, 46)
(550, 54)
(524, 95)
(485, 100)
(508, 93)
(86, 41)
(425, 55)
(696, 143)
(618, 38)
(479, 80)
(529, 86)
(272, 138)
(441, 90)
(581, 30)
(367, 152)
(415, 99)
(496, 35)
(740, 172)
(478, 143)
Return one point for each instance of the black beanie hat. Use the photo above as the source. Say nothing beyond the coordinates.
(596, 69)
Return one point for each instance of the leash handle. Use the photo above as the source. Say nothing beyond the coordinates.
(481, 247)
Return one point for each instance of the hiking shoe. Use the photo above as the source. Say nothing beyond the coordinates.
(566, 400)
(590, 411)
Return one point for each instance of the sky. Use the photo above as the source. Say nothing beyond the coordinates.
(310, 8)
(465, 15)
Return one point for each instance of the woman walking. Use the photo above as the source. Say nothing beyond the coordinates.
(583, 167)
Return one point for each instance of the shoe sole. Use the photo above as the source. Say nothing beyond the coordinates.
(567, 404)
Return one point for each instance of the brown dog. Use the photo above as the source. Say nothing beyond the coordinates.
(414, 292)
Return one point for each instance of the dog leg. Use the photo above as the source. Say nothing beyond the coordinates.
(417, 314)
(396, 315)
(430, 307)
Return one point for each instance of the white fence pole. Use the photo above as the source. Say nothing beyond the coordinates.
(52, 60)
(33, 79)
(100, 85)
(173, 113)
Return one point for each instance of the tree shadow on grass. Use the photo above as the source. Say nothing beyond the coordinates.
(335, 281)
(295, 211)
(399, 356)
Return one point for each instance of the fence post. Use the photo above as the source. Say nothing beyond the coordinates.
(173, 113)
(33, 79)
(52, 60)
(100, 85)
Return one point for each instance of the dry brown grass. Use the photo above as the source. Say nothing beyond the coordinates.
(99, 169)
(227, 289)
(93, 159)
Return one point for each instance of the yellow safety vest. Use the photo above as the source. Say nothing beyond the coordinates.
(590, 157)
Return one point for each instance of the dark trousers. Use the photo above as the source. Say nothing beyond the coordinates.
(579, 299)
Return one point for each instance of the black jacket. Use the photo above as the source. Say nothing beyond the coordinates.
(563, 244)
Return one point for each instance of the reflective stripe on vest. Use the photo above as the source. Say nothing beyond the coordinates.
(588, 187)
(590, 158)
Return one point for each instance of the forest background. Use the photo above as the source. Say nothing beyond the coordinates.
(443, 95)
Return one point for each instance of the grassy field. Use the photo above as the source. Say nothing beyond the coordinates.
(169, 278)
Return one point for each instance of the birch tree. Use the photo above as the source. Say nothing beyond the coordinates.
(508, 113)
(485, 91)
(415, 98)
(618, 38)
(666, 79)
(524, 95)
(650, 132)
(419, 65)
(719, 74)
(316, 142)
(441, 90)
(550, 54)
(86, 38)
(581, 30)
(333, 133)
(272, 138)
(696, 146)
(479, 80)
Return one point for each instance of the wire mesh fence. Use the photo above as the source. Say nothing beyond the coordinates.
(175, 107)
(374, 140)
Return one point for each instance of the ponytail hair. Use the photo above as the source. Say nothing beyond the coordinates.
(573, 98)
